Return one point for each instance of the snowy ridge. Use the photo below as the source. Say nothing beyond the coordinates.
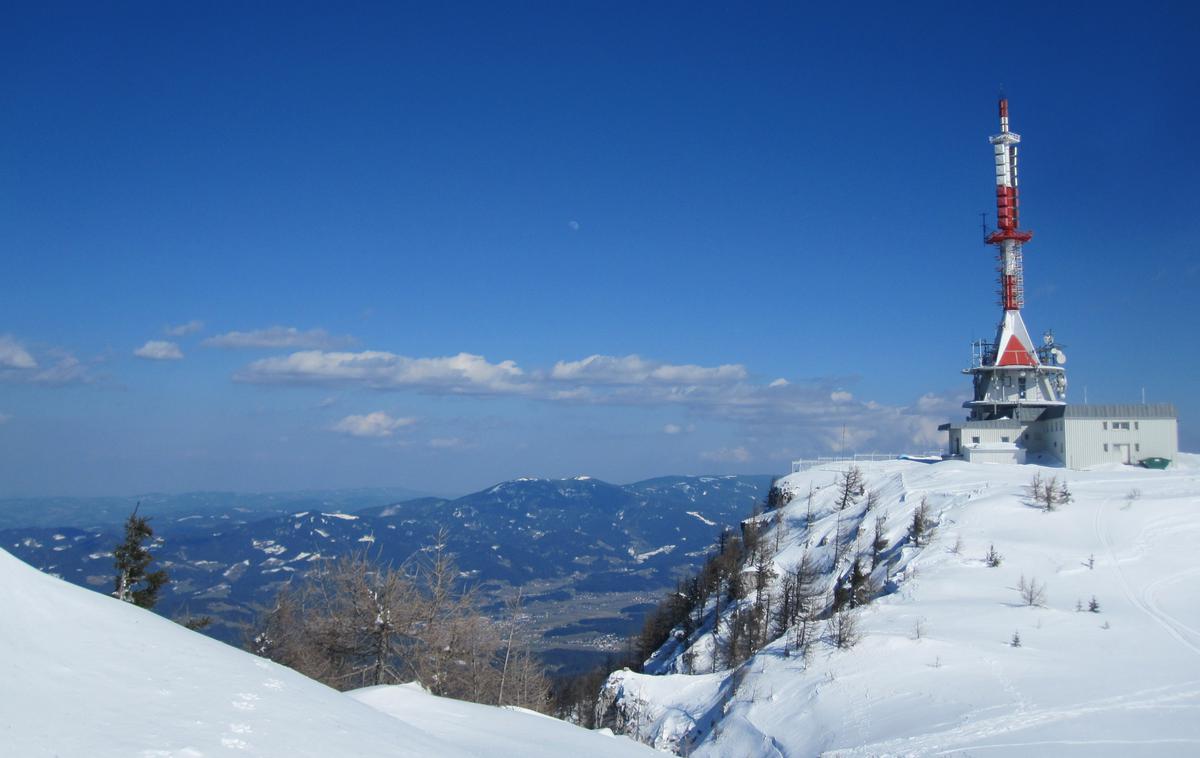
(87, 675)
(935, 671)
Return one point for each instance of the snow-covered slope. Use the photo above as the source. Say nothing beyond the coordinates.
(86, 675)
(936, 671)
(485, 730)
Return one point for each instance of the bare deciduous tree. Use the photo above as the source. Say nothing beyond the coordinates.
(1032, 592)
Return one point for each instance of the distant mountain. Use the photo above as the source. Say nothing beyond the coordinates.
(201, 508)
(590, 555)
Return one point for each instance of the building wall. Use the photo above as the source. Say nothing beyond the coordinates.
(1056, 438)
(1090, 441)
(973, 436)
(994, 454)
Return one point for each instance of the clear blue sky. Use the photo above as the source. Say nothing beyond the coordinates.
(270, 246)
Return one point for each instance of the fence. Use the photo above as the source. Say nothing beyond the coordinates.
(864, 460)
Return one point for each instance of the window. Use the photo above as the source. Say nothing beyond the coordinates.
(1106, 447)
(1135, 425)
(974, 440)
(1137, 446)
(1104, 425)
(1004, 439)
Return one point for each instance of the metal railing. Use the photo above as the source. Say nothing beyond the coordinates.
(807, 464)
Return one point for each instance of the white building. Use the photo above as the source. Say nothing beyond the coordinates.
(1077, 436)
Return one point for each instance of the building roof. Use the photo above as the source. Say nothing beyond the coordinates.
(1118, 411)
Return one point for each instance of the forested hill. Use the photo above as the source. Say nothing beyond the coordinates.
(582, 547)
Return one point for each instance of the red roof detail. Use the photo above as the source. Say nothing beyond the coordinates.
(1015, 354)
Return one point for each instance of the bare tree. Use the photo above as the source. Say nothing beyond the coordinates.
(354, 623)
(1032, 592)
(843, 630)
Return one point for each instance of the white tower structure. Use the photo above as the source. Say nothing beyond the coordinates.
(1013, 373)
(1019, 406)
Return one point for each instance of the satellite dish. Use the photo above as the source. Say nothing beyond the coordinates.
(1060, 357)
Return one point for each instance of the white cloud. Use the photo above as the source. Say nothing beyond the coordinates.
(182, 330)
(633, 369)
(677, 429)
(14, 355)
(53, 367)
(159, 350)
(573, 225)
(780, 382)
(66, 369)
(727, 455)
(279, 337)
(462, 373)
(377, 424)
(447, 443)
(841, 396)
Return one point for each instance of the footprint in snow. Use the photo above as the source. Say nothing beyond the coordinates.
(233, 743)
(245, 701)
(273, 684)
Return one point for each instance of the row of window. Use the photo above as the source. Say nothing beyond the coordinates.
(1106, 425)
(1137, 447)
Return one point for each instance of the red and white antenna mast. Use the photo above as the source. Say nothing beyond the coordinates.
(1013, 376)
(1008, 238)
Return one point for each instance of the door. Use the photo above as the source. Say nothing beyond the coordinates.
(1123, 453)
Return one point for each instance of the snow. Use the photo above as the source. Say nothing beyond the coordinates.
(343, 516)
(935, 672)
(85, 674)
(485, 730)
(643, 557)
(697, 515)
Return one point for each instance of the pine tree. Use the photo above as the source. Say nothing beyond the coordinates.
(133, 584)
(918, 530)
(880, 541)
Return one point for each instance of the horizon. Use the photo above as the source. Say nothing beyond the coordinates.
(412, 494)
(278, 249)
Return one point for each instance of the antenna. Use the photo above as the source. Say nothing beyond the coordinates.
(983, 224)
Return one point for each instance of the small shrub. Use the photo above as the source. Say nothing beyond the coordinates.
(992, 559)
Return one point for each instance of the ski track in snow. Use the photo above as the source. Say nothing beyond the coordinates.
(968, 734)
(1146, 601)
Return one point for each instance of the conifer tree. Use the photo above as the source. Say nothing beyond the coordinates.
(133, 584)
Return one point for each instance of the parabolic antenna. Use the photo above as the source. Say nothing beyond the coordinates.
(1060, 357)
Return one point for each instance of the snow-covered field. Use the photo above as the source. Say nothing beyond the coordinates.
(936, 672)
(86, 675)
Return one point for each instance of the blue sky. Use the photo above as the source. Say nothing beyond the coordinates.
(277, 246)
